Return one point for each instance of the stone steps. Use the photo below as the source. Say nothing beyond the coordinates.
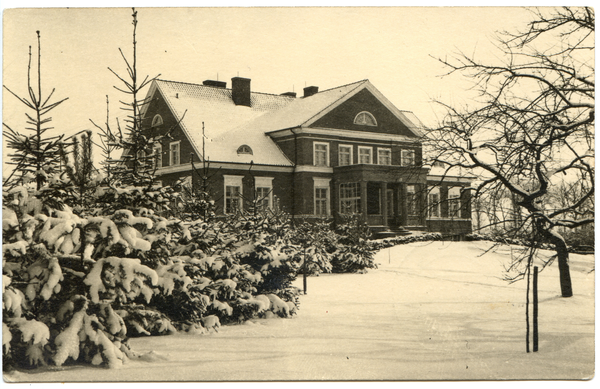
(382, 232)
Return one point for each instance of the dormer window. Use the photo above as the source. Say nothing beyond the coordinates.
(157, 120)
(365, 119)
(244, 149)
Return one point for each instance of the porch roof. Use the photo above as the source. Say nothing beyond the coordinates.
(381, 173)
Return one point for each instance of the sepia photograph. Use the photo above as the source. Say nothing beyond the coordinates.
(284, 194)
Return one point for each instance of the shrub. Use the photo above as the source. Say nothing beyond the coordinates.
(76, 287)
(354, 251)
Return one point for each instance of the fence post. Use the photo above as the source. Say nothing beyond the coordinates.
(535, 308)
(305, 271)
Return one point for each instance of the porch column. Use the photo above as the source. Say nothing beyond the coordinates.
(402, 203)
(363, 199)
(384, 204)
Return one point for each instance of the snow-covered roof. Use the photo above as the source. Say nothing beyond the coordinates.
(413, 122)
(197, 105)
(450, 173)
(300, 111)
(229, 126)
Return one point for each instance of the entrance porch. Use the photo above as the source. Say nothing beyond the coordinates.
(386, 197)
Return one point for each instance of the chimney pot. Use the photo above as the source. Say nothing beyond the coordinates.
(310, 90)
(240, 91)
(216, 84)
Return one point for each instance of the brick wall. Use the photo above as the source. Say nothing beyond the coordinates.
(342, 117)
(158, 106)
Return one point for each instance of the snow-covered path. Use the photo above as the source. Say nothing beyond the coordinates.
(432, 311)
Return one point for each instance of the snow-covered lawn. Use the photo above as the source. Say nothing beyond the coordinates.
(432, 311)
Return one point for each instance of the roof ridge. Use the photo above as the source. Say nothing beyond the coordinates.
(342, 86)
(272, 94)
(263, 93)
(210, 86)
(178, 82)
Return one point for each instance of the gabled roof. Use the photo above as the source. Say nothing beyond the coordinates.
(228, 126)
(300, 111)
(199, 105)
(304, 112)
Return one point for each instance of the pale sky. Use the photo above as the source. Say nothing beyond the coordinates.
(279, 49)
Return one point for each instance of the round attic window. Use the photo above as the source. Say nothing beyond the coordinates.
(244, 149)
(366, 119)
(157, 120)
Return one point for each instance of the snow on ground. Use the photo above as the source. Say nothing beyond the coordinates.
(432, 311)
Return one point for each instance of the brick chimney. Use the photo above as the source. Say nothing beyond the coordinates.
(240, 91)
(310, 90)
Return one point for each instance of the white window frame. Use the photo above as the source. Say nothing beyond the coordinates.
(365, 113)
(431, 205)
(356, 200)
(234, 181)
(340, 154)
(370, 155)
(157, 120)
(411, 193)
(379, 150)
(326, 144)
(187, 182)
(322, 183)
(178, 144)
(264, 182)
(403, 157)
(245, 149)
(157, 161)
(140, 157)
(454, 198)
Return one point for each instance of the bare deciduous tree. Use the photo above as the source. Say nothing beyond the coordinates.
(533, 126)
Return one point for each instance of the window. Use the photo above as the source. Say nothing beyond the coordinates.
(408, 158)
(321, 196)
(156, 121)
(434, 202)
(454, 202)
(263, 195)
(263, 189)
(244, 149)
(412, 207)
(350, 198)
(365, 119)
(345, 155)
(384, 156)
(390, 202)
(365, 155)
(232, 199)
(187, 182)
(233, 193)
(174, 153)
(321, 154)
(321, 201)
(141, 158)
(157, 160)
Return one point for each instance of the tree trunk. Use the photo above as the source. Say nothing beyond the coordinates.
(562, 254)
